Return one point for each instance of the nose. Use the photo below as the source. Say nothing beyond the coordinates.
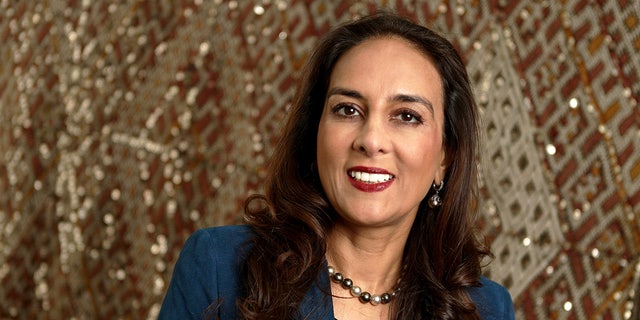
(372, 138)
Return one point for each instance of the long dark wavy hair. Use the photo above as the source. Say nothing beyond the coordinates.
(292, 220)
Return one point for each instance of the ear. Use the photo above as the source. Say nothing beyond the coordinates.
(443, 167)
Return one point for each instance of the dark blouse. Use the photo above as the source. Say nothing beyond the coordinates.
(207, 271)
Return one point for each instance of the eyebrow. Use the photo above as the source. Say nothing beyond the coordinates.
(415, 99)
(345, 92)
(398, 97)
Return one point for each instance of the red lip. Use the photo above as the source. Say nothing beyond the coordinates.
(369, 187)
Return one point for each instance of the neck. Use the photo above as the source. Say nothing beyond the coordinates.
(371, 258)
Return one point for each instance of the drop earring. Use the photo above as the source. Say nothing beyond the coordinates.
(435, 200)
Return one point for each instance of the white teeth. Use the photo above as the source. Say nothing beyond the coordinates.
(370, 177)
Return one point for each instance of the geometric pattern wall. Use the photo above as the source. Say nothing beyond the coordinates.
(125, 126)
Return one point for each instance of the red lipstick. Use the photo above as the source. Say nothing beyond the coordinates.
(366, 186)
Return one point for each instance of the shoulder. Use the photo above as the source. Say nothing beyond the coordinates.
(215, 244)
(227, 233)
(224, 237)
(492, 300)
(207, 272)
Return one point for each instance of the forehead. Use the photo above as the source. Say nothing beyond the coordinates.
(388, 50)
(388, 64)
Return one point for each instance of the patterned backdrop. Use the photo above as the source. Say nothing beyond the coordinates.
(126, 125)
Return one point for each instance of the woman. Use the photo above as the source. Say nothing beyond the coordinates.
(370, 204)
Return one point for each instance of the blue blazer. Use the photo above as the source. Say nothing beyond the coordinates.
(207, 271)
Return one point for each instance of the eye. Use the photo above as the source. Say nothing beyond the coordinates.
(408, 116)
(346, 110)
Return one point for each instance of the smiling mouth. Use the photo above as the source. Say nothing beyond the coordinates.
(371, 178)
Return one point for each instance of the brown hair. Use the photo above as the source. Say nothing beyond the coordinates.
(291, 222)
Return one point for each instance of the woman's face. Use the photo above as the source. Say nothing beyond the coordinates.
(379, 144)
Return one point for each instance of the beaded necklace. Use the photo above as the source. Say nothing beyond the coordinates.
(363, 296)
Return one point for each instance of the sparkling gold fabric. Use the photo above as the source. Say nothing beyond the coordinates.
(125, 126)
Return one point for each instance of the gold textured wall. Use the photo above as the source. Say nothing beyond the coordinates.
(126, 125)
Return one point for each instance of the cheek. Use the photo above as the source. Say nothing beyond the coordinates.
(324, 149)
(326, 161)
(332, 152)
(424, 156)
(321, 144)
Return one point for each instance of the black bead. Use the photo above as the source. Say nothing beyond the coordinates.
(385, 298)
(365, 297)
(337, 277)
(347, 283)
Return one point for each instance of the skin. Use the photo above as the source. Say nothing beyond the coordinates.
(383, 110)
